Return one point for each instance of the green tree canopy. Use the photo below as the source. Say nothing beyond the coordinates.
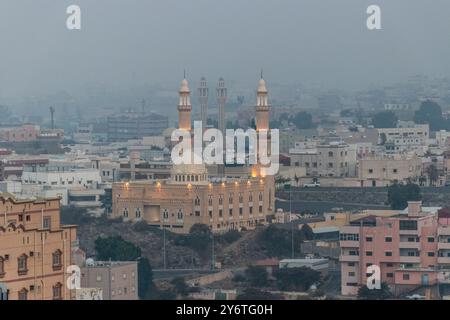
(303, 120)
(430, 112)
(384, 119)
(399, 195)
(257, 276)
(383, 293)
(296, 279)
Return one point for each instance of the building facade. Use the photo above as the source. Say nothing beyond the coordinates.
(35, 249)
(411, 248)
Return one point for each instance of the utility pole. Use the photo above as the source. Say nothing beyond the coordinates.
(212, 257)
(292, 224)
(164, 245)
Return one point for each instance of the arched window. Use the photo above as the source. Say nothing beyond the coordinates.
(165, 214)
(241, 198)
(138, 212)
(197, 201)
(125, 212)
(270, 197)
(23, 294)
(260, 196)
(180, 214)
(22, 266)
(57, 291)
(220, 199)
(57, 260)
(250, 197)
(210, 202)
(230, 198)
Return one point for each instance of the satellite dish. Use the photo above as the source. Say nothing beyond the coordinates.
(90, 262)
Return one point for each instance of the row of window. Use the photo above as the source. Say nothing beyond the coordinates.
(22, 262)
(56, 290)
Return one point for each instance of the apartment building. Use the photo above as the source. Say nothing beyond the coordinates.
(412, 249)
(381, 171)
(325, 159)
(404, 138)
(117, 280)
(35, 249)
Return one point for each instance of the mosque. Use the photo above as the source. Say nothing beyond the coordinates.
(224, 198)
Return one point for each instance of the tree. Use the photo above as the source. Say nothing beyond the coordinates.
(303, 120)
(145, 278)
(384, 119)
(256, 294)
(375, 294)
(180, 286)
(433, 174)
(199, 237)
(306, 233)
(383, 139)
(399, 195)
(296, 279)
(257, 276)
(106, 200)
(296, 180)
(117, 249)
(430, 112)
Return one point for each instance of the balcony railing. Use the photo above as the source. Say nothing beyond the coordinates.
(444, 245)
(348, 258)
(408, 259)
(349, 244)
(409, 245)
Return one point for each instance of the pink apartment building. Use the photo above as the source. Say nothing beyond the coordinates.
(412, 249)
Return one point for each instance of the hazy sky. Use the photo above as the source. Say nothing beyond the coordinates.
(148, 41)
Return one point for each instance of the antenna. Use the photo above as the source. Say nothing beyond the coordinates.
(143, 105)
(262, 73)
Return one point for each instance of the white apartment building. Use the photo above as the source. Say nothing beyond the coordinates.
(404, 138)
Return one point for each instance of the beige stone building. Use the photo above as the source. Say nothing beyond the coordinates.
(384, 170)
(35, 249)
(118, 280)
(193, 195)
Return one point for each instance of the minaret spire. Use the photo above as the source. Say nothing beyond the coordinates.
(203, 100)
(184, 106)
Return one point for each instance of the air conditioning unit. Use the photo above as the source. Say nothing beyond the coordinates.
(32, 288)
(31, 253)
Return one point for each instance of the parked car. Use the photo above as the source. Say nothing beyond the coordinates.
(312, 185)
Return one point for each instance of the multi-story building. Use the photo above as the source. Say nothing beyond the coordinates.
(411, 248)
(135, 125)
(35, 249)
(325, 159)
(404, 138)
(384, 170)
(118, 280)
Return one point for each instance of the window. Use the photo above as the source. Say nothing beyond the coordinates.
(405, 276)
(165, 214)
(260, 196)
(369, 253)
(370, 170)
(241, 198)
(389, 265)
(351, 264)
(349, 237)
(353, 253)
(430, 239)
(197, 201)
(56, 260)
(125, 212)
(2, 267)
(230, 212)
(250, 197)
(57, 291)
(260, 209)
(220, 213)
(138, 212)
(250, 210)
(369, 239)
(230, 198)
(220, 199)
(46, 223)
(180, 214)
(240, 211)
(210, 213)
(408, 225)
(23, 294)
(351, 274)
(210, 202)
(388, 239)
(431, 254)
(388, 253)
(22, 264)
(389, 275)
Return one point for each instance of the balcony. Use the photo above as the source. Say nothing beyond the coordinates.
(445, 260)
(407, 259)
(444, 245)
(409, 232)
(409, 245)
(348, 258)
(444, 231)
(349, 244)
